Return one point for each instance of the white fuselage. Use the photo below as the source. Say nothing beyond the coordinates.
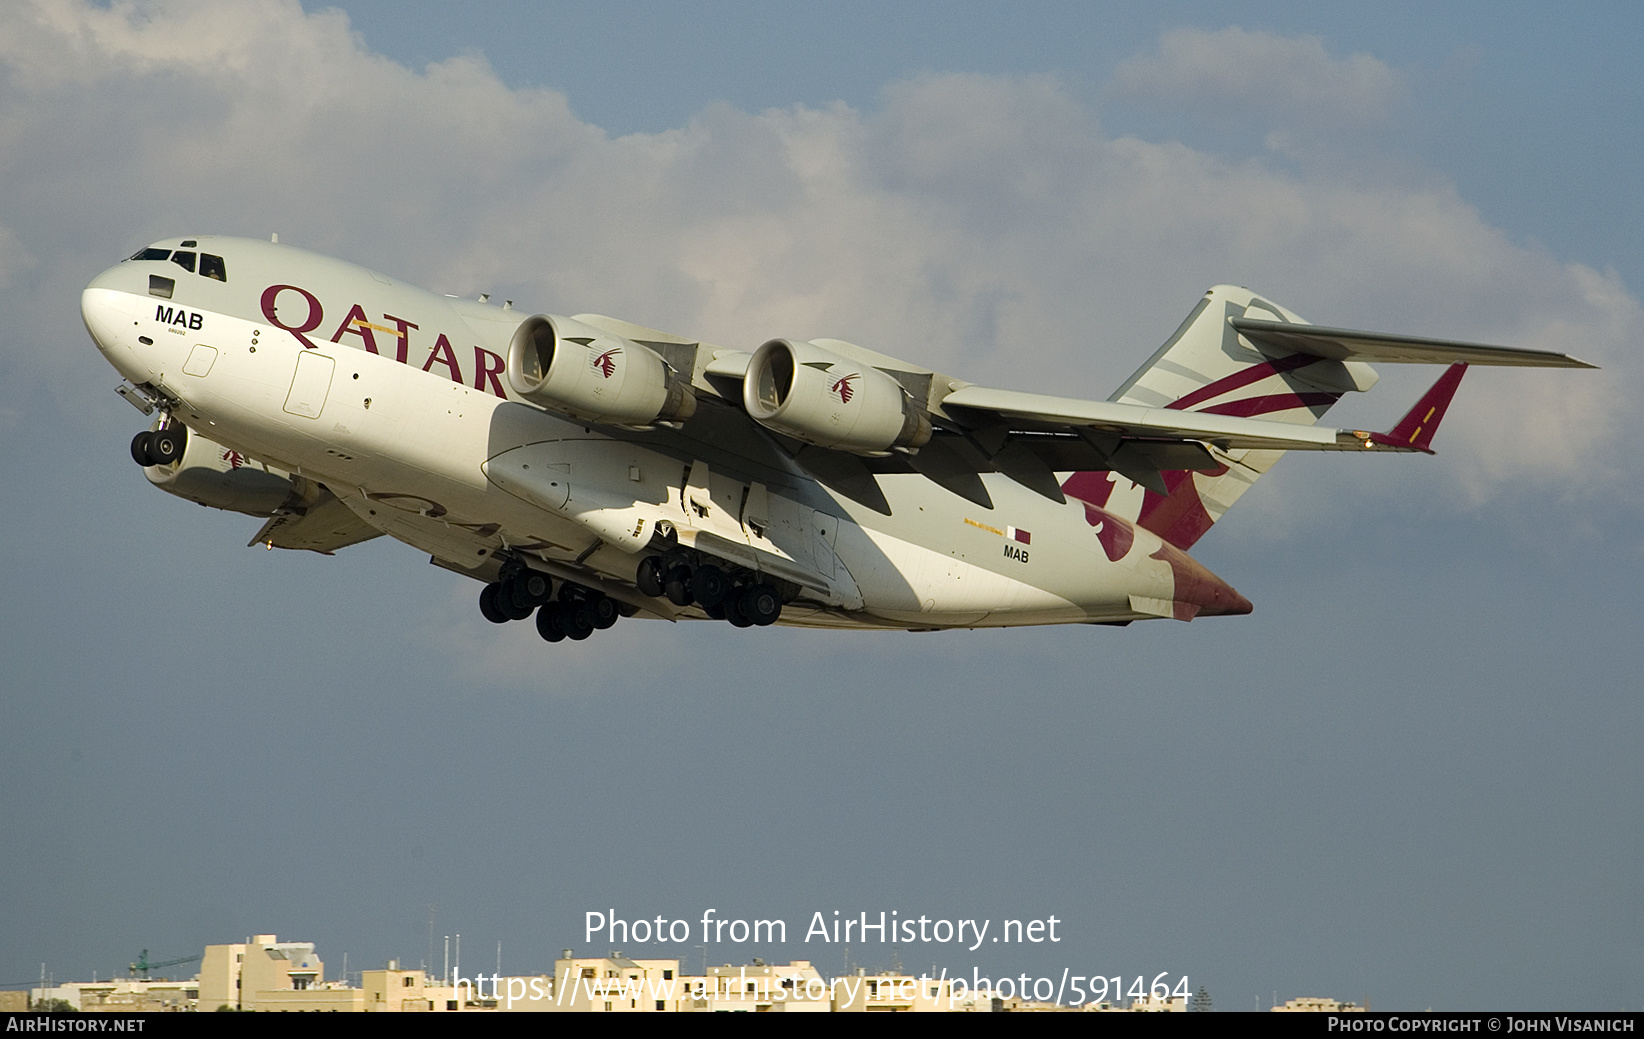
(396, 400)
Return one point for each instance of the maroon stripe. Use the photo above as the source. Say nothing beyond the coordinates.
(1250, 406)
(1243, 377)
(1180, 516)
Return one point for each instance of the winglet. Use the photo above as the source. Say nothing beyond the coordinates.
(1415, 430)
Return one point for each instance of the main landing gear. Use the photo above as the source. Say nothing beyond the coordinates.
(575, 614)
(744, 599)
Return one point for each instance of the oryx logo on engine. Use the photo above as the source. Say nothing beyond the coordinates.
(843, 388)
(605, 363)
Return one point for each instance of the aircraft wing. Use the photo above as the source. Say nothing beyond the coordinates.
(1203, 412)
(1228, 432)
(1107, 425)
(1025, 436)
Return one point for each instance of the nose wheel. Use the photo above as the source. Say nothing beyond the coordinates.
(159, 446)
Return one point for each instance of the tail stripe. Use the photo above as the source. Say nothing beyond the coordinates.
(1243, 377)
(1209, 367)
(1250, 407)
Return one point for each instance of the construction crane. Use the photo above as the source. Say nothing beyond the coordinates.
(143, 966)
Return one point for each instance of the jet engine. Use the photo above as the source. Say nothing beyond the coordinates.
(571, 367)
(813, 394)
(211, 474)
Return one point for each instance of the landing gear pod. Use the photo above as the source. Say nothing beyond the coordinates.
(812, 394)
(574, 368)
(190, 466)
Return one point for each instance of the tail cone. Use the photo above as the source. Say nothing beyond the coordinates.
(1199, 593)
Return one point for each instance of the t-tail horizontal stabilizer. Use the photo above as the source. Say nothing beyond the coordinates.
(1342, 344)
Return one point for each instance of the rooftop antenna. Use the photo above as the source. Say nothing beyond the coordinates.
(433, 907)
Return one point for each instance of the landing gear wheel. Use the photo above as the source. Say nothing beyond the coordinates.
(709, 585)
(166, 445)
(626, 609)
(716, 613)
(488, 605)
(649, 579)
(734, 610)
(548, 623)
(577, 618)
(678, 586)
(761, 605)
(530, 589)
(605, 611)
(508, 603)
(140, 450)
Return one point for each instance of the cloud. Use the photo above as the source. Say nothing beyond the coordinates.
(985, 225)
(1260, 75)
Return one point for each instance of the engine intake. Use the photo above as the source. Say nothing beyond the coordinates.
(571, 367)
(813, 394)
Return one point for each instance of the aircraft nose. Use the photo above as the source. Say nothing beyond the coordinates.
(108, 309)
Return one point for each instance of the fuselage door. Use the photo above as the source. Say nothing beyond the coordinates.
(310, 384)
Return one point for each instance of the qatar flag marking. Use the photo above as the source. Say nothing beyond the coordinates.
(1016, 534)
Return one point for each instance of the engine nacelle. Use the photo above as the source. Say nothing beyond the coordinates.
(211, 474)
(812, 394)
(568, 366)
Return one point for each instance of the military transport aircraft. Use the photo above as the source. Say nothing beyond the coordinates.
(585, 469)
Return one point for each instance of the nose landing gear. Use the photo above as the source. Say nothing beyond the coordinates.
(159, 447)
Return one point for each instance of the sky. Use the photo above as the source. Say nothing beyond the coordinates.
(1410, 776)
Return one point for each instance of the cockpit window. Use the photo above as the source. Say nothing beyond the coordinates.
(212, 267)
(162, 287)
(183, 260)
(151, 254)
